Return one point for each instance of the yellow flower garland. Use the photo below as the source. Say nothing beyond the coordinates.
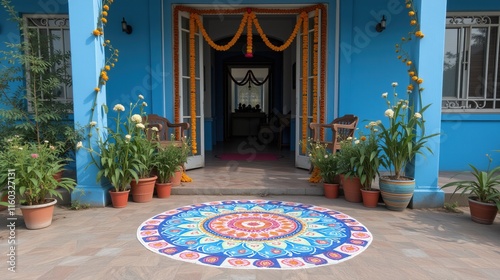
(315, 67)
(266, 40)
(192, 75)
(305, 77)
(249, 17)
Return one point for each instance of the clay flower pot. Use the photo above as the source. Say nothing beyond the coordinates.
(142, 191)
(370, 197)
(119, 199)
(163, 190)
(331, 190)
(40, 215)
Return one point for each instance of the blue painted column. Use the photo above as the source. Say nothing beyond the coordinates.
(87, 58)
(430, 59)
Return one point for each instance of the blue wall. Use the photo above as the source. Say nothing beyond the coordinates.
(467, 138)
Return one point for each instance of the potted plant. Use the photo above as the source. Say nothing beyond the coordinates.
(166, 164)
(367, 162)
(142, 189)
(326, 162)
(182, 157)
(400, 140)
(33, 166)
(116, 157)
(347, 162)
(484, 196)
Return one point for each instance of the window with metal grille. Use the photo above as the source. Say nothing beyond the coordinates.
(471, 63)
(48, 38)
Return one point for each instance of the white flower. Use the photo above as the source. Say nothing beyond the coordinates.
(92, 123)
(140, 125)
(389, 113)
(119, 108)
(141, 96)
(378, 122)
(310, 155)
(349, 138)
(45, 141)
(418, 115)
(144, 104)
(128, 137)
(154, 128)
(384, 95)
(136, 118)
(326, 156)
(52, 148)
(375, 129)
(20, 148)
(356, 142)
(404, 106)
(79, 145)
(394, 84)
(372, 124)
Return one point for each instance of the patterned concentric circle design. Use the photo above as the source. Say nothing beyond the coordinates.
(255, 234)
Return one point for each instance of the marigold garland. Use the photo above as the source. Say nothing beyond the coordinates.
(305, 77)
(192, 75)
(249, 17)
(315, 67)
(315, 176)
(271, 45)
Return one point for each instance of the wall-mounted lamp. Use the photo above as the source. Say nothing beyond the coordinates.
(381, 25)
(125, 27)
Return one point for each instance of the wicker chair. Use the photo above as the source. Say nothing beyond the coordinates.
(342, 128)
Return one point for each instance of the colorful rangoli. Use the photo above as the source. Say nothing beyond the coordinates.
(255, 234)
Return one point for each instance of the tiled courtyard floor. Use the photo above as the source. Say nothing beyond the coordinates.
(100, 243)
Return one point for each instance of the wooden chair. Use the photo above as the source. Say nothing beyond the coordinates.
(166, 129)
(342, 128)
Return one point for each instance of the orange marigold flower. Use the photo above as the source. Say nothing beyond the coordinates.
(106, 78)
(419, 34)
(362, 138)
(107, 67)
(408, 5)
(104, 14)
(105, 7)
(97, 89)
(103, 73)
(104, 20)
(96, 32)
(411, 73)
(410, 87)
(411, 13)
(414, 78)
(413, 22)
(408, 62)
(420, 80)
(403, 39)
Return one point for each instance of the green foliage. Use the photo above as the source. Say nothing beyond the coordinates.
(367, 160)
(125, 153)
(30, 78)
(167, 161)
(323, 159)
(484, 187)
(404, 137)
(33, 166)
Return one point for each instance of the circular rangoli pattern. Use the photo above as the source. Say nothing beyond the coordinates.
(255, 234)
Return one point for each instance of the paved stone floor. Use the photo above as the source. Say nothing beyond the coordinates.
(100, 243)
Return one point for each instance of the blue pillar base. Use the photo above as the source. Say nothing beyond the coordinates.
(95, 196)
(427, 198)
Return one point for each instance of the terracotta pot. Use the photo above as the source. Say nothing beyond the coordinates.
(58, 175)
(4, 199)
(176, 179)
(370, 197)
(163, 190)
(482, 212)
(352, 189)
(142, 191)
(396, 194)
(38, 216)
(331, 190)
(119, 199)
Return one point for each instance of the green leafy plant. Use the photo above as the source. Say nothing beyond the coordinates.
(483, 188)
(120, 157)
(33, 166)
(167, 162)
(31, 77)
(404, 137)
(365, 159)
(321, 158)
